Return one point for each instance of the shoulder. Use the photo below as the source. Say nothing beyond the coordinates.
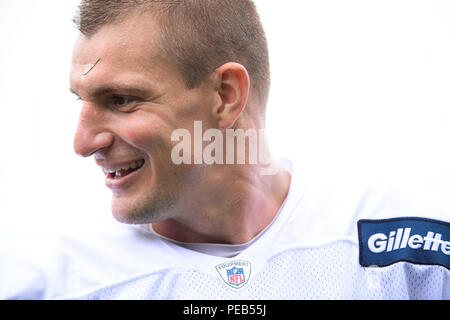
(330, 207)
(81, 257)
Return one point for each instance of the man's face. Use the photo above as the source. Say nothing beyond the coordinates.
(132, 102)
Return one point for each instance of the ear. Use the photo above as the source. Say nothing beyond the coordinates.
(232, 85)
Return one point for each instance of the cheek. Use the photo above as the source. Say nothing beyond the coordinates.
(193, 105)
(136, 137)
(148, 133)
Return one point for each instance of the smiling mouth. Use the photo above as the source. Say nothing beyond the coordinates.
(123, 170)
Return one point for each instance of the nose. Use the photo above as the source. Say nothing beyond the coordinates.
(91, 134)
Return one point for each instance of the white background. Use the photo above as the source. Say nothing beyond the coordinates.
(359, 88)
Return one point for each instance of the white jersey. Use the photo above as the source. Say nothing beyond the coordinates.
(326, 242)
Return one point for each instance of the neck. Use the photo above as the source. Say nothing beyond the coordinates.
(229, 211)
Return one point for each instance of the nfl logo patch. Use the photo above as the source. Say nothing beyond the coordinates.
(235, 274)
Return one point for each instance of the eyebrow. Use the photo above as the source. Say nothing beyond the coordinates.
(73, 92)
(115, 88)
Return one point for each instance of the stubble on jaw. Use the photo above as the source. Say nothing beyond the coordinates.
(168, 200)
(154, 207)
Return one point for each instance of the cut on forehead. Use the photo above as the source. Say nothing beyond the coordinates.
(134, 44)
(131, 38)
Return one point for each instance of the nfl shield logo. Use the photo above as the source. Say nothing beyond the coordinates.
(235, 276)
(235, 273)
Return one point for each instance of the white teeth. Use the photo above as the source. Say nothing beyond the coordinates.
(132, 165)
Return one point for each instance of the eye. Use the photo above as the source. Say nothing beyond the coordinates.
(119, 101)
(122, 103)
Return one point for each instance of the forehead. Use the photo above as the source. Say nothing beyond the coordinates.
(130, 36)
(119, 51)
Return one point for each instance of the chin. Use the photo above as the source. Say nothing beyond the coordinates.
(123, 217)
(142, 211)
(124, 213)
